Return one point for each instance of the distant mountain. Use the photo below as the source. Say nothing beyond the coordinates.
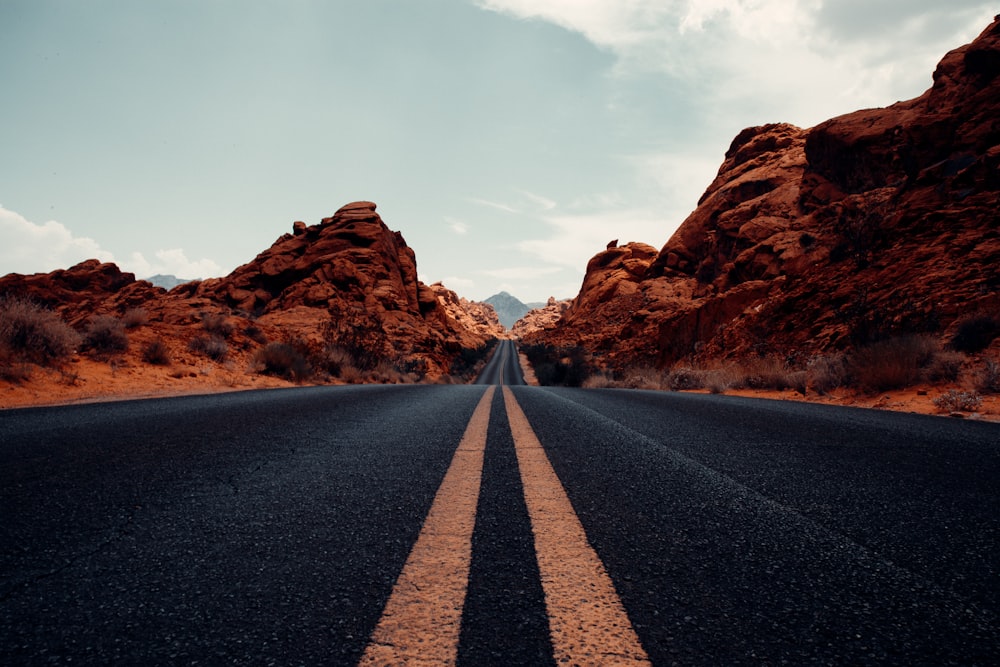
(509, 308)
(167, 281)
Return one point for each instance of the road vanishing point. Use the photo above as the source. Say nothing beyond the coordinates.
(496, 524)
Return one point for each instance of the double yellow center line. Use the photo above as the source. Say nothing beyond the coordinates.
(421, 622)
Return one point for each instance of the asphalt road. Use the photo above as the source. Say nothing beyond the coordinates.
(270, 527)
(504, 366)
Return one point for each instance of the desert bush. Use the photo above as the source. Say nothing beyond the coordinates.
(12, 368)
(213, 347)
(826, 373)
(216, 324)
(33, 334)
(361, 335)
(641, 378)
(943, 366)
(988, 377)
(764, 373)
(958, 401)
(255, 334)
(602, 380)
(105, 335)
(975, 333)
(283, 360)
(135, 318)
(682, 378)
(891, 364)
(351, 375)
(156, 352)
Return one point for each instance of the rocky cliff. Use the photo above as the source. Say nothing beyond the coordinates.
(348, 277)
(874, 223)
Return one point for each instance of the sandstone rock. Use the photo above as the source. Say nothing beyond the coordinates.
(881, 221)
(539, 319)
(349, 271)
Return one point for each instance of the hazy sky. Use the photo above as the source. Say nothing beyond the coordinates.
(508, 140)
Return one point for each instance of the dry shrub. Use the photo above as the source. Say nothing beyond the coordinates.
(975, 333)
(988, 377)
(283, 360)
(386, 373)
(764, 373)
(827, 373)
(601, 380)
(799, 381)
(958, 401)
(351, 375)
(213, 347)
(105, 335)
(681, 378)
(892, 364)
(943, 366)
(32, 334)
(13, 369)
(216, 324)
(135, 317)
(156, 352)
(642, 378)
(255, 334)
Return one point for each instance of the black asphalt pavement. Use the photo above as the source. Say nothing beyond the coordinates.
(269, 527)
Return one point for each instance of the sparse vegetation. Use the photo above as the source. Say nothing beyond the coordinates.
(105, 335)
(156, 352)
(217, 325)
(254, 333)
(135, 318)
(30, 333)
(891, 364)
(283, 360)
(214, 347)
(988, 377)
(958, 401)
(975, 333)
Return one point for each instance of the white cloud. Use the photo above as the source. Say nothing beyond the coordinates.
(574, 239)
(172, 261)
(26, 247)
(758, 61)
(457, 226)
(521, 272)
(495, 205)
(458, 284)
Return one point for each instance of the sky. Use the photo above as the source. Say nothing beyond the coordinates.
(507, 140)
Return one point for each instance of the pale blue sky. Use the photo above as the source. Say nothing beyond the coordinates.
(508, 140)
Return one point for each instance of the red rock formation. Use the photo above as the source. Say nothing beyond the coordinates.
(76, 293)
(540, 318)
(811, 240)
(475, 316)
(347, 272)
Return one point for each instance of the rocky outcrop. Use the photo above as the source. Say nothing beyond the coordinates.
(83, 290)
(538, 319)
(878, 222)
(349, 273)
(475, 316)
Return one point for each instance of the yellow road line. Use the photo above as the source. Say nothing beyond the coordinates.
(422, 619)
(588, 624)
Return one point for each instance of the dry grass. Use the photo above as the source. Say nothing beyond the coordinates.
(105, 335)
(30, 333)
(156, 352)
